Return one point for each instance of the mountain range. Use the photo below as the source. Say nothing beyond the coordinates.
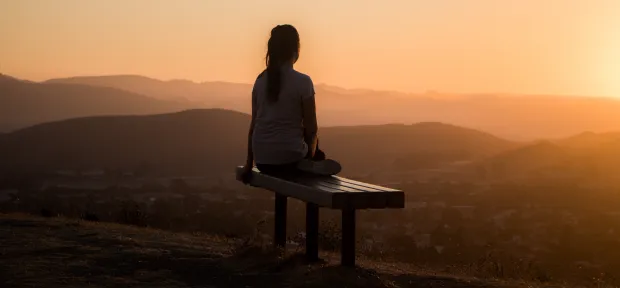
(126, 121)
(206, 141)
(25, 103)
(515, 117)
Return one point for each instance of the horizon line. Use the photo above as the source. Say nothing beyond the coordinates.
(426, 92)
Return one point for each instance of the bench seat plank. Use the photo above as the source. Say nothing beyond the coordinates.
(330, 191)
(359, 188)
(385, 189)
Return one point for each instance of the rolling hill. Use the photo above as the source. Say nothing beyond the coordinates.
(183, 141)
(24, 103)
(214, 140)
(177, 141)
(405, 147)
(589, 140)
(587, 157)
(527, 159)
(518, 117)
(222, 95)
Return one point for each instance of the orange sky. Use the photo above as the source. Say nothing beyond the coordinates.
(525, 46)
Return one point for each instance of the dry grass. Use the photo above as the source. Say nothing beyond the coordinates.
(57, 252)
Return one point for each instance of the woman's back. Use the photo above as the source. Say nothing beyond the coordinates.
(283, 131)
(278, 136)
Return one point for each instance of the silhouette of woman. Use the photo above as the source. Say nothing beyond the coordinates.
(282, 138)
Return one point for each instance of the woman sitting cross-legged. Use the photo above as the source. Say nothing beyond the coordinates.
(283, 139)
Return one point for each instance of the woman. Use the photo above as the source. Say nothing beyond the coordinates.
(282, 140)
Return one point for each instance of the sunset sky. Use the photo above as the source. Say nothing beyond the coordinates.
(525, 46)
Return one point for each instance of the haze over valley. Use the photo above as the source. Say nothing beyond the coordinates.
(515, 117)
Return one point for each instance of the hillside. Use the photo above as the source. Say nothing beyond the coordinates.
(24, 103)
(205, 141)
(589, 157)
(528, 159)
(6, 78)
(404, 147)
(518, 117)
(589, 140)
(208, 94)
(38, 252)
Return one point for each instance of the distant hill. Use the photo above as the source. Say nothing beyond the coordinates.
(222, 95)
(517, 117)
(24, 103)
(587, 157)
(405, 147)
(523, 162)
(589, 140)
(603, 159)
(208, 141)
(6, 79)
(535, 156)
(198, 140)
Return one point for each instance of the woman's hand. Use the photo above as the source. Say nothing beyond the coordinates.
(246, 174)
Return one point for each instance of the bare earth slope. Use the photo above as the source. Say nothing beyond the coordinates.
(38, 252)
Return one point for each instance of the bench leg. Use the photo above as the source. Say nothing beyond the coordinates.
(348, 238)
(312, 232)
(279, 232)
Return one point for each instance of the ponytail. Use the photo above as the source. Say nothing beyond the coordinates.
(283, 45)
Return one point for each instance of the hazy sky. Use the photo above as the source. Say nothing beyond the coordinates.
(519, 46)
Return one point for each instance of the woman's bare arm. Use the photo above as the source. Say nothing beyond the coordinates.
(310, 122)
(250, 153)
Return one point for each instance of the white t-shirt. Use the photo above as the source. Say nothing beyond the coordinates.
(278, 136)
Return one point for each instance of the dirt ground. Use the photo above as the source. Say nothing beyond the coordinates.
(57, 252)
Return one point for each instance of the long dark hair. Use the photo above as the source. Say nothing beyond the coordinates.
(283, 45)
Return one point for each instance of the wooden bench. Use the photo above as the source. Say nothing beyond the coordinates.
(325, 191)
